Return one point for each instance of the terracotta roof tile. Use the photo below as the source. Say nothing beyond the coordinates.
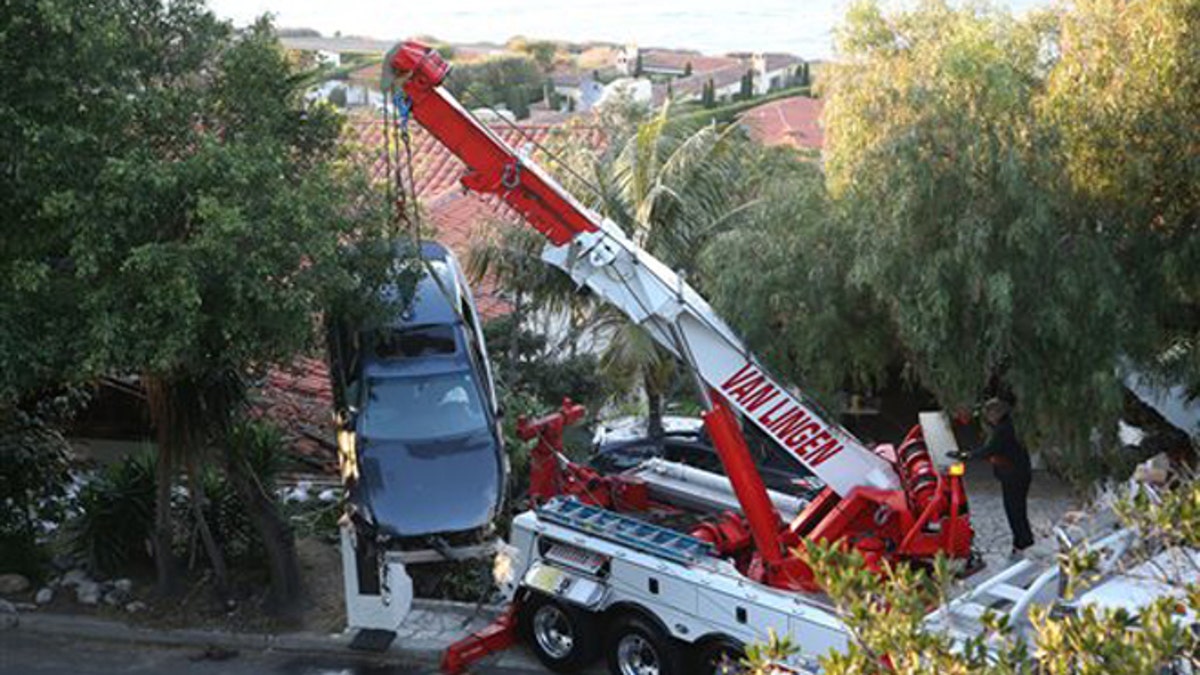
(678, 60)
(794, 121)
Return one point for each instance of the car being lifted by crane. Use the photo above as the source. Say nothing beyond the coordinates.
(666, 569)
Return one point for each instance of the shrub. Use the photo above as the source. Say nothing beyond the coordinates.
(116, 515)
(258, 444)
(34, 476)
(885, 617)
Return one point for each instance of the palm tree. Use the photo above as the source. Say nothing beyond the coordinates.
(672, 189)
(186, 410)
(510, 256)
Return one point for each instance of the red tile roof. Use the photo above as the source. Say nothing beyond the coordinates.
(436, 169)
(678, 60)
(298, 398)
(794, 121)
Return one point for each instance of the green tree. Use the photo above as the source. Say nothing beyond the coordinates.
(518, 102)
(543, 53)
(637, 67)
(746, 92)
(887, 615)
(510, 256)
(947, 180)
(490, 82)
(708, 95)
(1124, 102)
(782, 278)
(205, 219)
(337, 97)
(34, 476)
(687, 69)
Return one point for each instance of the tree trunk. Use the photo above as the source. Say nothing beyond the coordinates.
(164, 558)
(157, 398)
(654, 405)
(199, 499)
(286, 592)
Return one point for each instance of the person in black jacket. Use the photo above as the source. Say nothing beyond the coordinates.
(1010, 464)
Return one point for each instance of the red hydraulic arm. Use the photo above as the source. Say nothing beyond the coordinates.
(494, 167)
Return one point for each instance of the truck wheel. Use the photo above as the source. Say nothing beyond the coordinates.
(637, 647)
(719, 657)
(563, 637)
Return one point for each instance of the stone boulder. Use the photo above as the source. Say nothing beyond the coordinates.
(88, 592)
(13, 583)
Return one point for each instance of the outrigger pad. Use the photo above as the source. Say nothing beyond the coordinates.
(372, 640)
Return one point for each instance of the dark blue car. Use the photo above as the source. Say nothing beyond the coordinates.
(428, 460)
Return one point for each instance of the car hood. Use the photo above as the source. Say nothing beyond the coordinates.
(416, 488)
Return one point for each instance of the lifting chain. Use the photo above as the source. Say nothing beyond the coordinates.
(402, 188)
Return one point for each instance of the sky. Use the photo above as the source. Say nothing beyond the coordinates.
(802, 27)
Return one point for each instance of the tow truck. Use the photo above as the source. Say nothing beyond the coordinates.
(668, 569)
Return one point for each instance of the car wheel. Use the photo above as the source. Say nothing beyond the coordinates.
(563, 637)
(637, 647)
(722, 656)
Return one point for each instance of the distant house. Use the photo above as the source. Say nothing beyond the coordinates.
(772, 71)
(327, 57)
(584, 91)
(359, 90)
(769, 72)
(674, 62)
(346, 94)
(637, 90)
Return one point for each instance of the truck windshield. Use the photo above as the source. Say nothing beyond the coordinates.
(422, 408)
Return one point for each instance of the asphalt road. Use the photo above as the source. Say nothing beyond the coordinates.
(22, 652)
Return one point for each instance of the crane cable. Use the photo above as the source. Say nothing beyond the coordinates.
(402, 197)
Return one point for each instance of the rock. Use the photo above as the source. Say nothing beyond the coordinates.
(74, 578)
(88, 592)
(8, 614)
(13, 583)
(123, 585)
(135, 606)
(7, 607)
(44, 596)
(116, 597)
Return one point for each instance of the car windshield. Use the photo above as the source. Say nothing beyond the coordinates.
(422, 408)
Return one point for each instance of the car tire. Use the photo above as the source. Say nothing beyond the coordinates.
(563, 637)
(721, 656)
(636, 646)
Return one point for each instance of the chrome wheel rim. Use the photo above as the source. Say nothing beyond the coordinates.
(552, 631)
(636, 656)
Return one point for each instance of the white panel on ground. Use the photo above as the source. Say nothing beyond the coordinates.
(384, 610)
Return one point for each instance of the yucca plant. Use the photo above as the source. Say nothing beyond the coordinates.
(116, 515)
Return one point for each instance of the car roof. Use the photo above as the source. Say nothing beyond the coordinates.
(439, 292)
